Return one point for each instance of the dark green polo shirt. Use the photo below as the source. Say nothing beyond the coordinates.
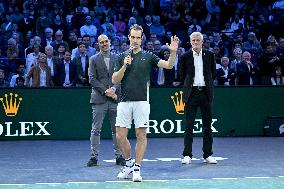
(134, 84)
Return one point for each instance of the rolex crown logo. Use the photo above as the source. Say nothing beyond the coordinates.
(178, 102)
(11, 104)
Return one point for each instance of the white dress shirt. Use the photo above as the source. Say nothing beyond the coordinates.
(198, 68)
(67, 79)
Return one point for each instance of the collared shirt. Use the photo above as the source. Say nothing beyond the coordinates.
(198, 68)
(107, 59)
(83, 61)
(48, 41)
(67, 80)
(226, 71)
(161, 77)
(31, 60)
(42, 79)
(50, 64)
(176, 66)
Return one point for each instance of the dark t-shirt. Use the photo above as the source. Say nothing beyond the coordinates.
(135, 82)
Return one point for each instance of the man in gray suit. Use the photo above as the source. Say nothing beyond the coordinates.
(103, 98)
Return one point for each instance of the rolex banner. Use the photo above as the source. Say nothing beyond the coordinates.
(66, 113)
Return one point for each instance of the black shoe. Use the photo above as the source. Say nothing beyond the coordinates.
(92, 162)
(120, 161)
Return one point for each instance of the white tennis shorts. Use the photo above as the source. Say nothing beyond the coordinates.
(138, 111)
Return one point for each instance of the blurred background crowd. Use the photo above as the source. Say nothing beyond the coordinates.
(246, 37)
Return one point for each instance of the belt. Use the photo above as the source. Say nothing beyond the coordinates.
(200, 88)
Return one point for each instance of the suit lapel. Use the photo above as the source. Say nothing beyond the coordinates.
(111, 64)
(103, 64)
(204, 56)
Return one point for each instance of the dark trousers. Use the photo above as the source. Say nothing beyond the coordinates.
(198, 98)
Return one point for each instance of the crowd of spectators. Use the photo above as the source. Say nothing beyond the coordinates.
(48, 43)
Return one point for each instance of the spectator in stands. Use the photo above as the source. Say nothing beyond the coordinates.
(12, 55)
(194, 27)
(253, 46)
(77, 18)
(8, 25)
(82, 66)
(235, 23)
(42, 22)
(136, 15)
(40, 74)
(58, 40)
(120, 25)
(268, 61)
(90, 51)
(31, 59)
(149, 46)
(89, 29)
(20, 73)
(3, 82)
(273, 42)
(124, 47)
(278, 77)
(174, 18)
(177, 81)
(161, 76)
(131, 21)
(72, 39)
(4, 63)
(83, 6)
(157, 27)
(157, 48)
(58, 24)
(61, 51)
(52, 62)
(246, 72)
(217, 52)
(115, 44)
(110, 32)
(66, 73)
(147, 25)
(47, 40)
(280, 51)
(228, 30)
(238, 58)
(19, 42)
(20, 82)
(213, 10)
(225, 75)
(206, 44)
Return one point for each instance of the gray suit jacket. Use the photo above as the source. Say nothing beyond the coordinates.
(100, 78)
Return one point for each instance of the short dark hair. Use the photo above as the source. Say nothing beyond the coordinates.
(80, 43)
(136, 27)
(20, 78)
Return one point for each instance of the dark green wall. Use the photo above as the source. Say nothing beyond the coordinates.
(239, 111)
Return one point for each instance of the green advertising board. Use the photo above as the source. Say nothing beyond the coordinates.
(58, 113)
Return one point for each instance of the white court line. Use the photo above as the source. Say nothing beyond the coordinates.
(122, 181)
(82, 182)
(49, 183)
(257, 177)
(13, 184)
(114, 181)
(191, 179)
(225, 178)
(156, 180)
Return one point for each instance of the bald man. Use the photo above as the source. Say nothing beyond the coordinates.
(103, 98)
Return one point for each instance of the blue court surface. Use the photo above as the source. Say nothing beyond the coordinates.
(244, 162)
